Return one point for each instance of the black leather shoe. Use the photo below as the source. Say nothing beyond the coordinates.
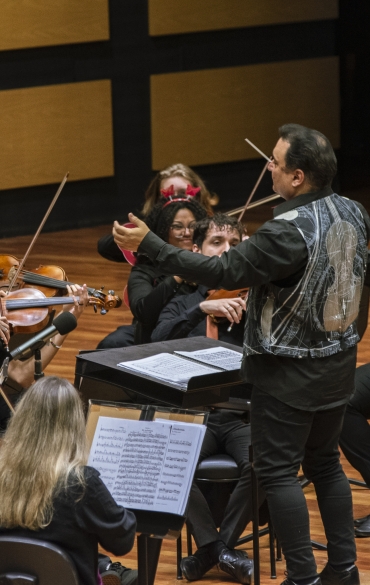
(236, 564)
(364, 528)
(316, 581)
(359, 521)
(348, 577)
(117, 574)
(197, 565)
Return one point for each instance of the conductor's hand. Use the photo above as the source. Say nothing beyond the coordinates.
(130, 238)
(232, 309)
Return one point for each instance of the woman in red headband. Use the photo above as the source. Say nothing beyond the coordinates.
(180, 177)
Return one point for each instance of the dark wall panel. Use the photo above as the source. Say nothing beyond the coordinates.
(128, 59)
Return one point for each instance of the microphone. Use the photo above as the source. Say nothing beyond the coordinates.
(63, 324)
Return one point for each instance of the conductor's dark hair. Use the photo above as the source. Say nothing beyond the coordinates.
(220, 222)
(311, 152)
(161, 217)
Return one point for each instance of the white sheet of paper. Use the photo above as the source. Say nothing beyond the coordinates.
(171, 368)
(147, 465)
(221, 357)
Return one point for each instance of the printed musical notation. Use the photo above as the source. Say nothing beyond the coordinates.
(147, 465)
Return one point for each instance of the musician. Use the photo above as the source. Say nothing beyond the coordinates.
(21, 373)
(228, 431)
(306, 269)
(148, 289)
(46, 490)
(178, 177)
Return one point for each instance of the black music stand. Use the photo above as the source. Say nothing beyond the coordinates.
(152, 526)
(99, 377)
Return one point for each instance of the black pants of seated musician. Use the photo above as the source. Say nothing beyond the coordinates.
(123, 336)
(227, 433)
(284, 437)
(355, 436)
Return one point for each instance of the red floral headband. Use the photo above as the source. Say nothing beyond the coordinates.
(170, 194)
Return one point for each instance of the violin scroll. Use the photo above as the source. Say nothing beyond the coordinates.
(97, 298)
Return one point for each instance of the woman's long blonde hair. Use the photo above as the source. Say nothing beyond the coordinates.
(42, 449)
(153, 192)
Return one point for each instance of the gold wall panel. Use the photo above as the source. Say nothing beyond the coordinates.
(168, 17)
(46, 131)
(203, 117)
(39, 23)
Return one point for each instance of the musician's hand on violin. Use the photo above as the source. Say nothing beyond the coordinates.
(81, 299)
(130, 238)
(178, 279)
(4, 329)
(232, 309)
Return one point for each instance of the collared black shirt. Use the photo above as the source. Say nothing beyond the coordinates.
(275, 253)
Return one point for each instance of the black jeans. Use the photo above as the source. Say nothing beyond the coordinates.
(283, 438)
(355, 436)
(232, 438)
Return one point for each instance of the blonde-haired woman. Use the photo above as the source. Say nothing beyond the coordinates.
(46, 490)
(180, 177)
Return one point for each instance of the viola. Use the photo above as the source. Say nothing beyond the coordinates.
(215, 295)
(27, 309)
(51, 280)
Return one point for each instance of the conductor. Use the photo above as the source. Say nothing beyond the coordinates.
(306, 270)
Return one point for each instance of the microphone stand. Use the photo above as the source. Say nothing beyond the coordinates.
(38, 373)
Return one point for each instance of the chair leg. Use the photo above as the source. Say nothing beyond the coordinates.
(272, 550)
(278, 549)
(256, 543)
(179, 556)
(188, 542)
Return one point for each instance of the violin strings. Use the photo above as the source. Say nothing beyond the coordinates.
(33, 278)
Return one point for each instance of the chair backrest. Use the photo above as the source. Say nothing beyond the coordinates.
(24, 561)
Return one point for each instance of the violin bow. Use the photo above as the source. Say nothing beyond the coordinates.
(243, 209)
(23, 261)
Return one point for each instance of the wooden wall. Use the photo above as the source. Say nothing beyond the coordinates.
(114, 91)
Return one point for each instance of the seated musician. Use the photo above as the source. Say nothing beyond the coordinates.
(149, 291)
(21, 373)
(46, 490)
(228, 431)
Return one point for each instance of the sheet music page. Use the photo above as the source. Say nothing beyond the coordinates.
(221, 357)
(146, 465)
(181, 460)
(171, 368)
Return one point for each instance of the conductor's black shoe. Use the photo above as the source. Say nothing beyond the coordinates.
(316, 581)
(236, 564)
(197, 565)
(330, 576)
(359, 521)
(363, 529)
(117, 574)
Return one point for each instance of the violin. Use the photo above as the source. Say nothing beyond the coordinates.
(51, 280)
(27, 309)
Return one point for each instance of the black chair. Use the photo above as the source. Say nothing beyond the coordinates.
(24, 561)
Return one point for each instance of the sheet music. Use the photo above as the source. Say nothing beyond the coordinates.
(221, 357)
(171, 368)
(147, 465)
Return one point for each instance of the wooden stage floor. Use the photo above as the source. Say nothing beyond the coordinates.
(75, 251)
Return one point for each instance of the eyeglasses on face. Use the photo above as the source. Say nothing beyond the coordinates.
(179, 228)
